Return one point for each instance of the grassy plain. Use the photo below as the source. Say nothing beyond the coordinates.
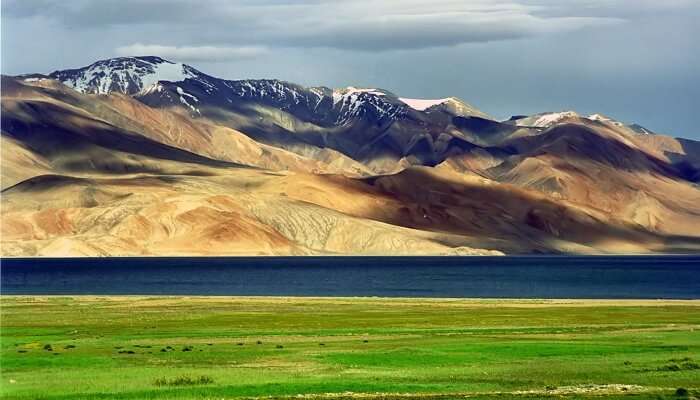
(223, 347)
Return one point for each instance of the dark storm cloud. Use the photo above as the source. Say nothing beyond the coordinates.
(81, 14)
(356, 25)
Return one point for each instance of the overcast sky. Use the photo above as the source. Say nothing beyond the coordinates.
(634, 60)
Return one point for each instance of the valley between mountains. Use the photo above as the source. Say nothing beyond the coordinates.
(140, 156)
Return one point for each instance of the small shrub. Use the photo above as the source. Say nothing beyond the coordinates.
(670, 367)
(69, 346)
(258, 342)
(187, 348)
(690, 365)
(279, 346)
(680, 359)
(686, 366)
(127, 352)
(21, 351)
(239, 344)
(627, 363)
(48, 347)
(321, 344)
(365, 341)
(681, 392)
(184, 381)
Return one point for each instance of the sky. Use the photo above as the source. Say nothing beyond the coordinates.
(634, 60)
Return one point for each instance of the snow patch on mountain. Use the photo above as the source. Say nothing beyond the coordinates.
(353, 102)
(183, 93)
(30, 80)
(423, 104)
(352, 93)
(640, 129)
(636, 128)
(127, 75)
(603, 118)
(269, 90)
(184, 101)
(352, 90)
(154, 88)
(547, 120)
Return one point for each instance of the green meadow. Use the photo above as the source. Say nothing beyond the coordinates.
(334, 348)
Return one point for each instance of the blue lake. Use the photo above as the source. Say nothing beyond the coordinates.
(643, 277)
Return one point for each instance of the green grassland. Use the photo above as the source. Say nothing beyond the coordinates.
(222, 347)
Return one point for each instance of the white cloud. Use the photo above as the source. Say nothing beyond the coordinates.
(369, 25)
(414, 26)
(192, 53)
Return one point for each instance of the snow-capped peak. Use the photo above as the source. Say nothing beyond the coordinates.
(636, 128)
(353, 90)
(156, 81)
(351, 94)
(598, 117)
(127, 75)
(603, 118)
(423, 104)
(548, 119)
(352, 102)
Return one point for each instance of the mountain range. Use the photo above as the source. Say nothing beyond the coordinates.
(143, 156)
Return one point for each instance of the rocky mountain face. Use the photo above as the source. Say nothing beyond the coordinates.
(140, 155)
(365, 124)
(126, 75)
(161, 83)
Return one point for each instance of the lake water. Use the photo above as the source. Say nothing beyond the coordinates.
(670, 277)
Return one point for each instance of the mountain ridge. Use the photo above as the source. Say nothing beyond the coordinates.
(102, 162)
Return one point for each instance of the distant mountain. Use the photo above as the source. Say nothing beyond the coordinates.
(359, 122)
(546, 120)
(126, 75)
(373, 126)
(140, 155)
(160, 82)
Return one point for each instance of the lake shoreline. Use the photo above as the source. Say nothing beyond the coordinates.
(455, 301)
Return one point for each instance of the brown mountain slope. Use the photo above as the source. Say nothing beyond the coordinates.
(235, 212)
(599, 167)
(244, 211)
(108, 175)
(610, 171)
(172, 126)
(19, 163)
